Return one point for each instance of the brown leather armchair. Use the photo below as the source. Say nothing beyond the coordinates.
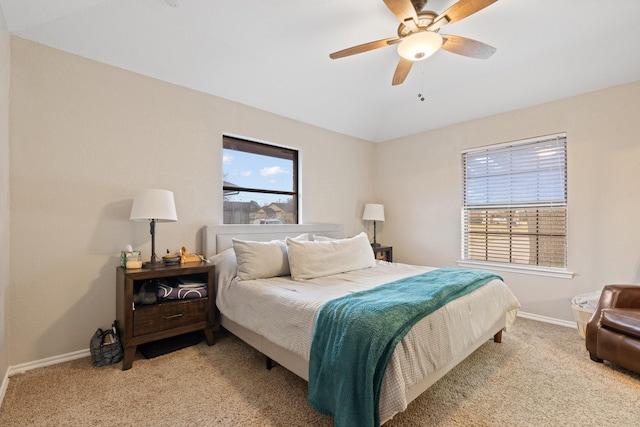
(613, 332)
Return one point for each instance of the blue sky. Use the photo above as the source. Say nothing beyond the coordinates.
(256, 171)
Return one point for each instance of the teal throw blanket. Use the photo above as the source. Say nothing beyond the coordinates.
(355, 336)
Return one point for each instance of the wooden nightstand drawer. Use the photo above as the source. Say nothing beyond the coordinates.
(167, 315)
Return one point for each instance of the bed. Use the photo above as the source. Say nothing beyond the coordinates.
(274, 307)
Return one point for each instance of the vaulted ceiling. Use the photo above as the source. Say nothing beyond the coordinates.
(274, 55)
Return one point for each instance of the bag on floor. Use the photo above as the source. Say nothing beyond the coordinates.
(105, 346)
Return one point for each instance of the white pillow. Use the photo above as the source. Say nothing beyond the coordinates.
(226, 267)
(261, 260)
(317, 238)
(222, 256)
(308, 260)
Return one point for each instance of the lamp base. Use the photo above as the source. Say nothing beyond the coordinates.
(375, 245)
(152, 264)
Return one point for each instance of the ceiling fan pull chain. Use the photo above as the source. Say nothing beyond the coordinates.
(421, 93)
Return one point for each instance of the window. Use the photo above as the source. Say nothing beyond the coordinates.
(515, 203)
(259, 183)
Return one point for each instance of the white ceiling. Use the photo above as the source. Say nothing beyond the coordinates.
(274, 55)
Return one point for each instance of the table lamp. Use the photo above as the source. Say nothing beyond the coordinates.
(373, 212)
(153, 206)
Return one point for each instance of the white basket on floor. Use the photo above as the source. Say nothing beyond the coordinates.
(582, 316)
(583, 307)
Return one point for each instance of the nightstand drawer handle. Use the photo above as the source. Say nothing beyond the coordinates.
(173, 316)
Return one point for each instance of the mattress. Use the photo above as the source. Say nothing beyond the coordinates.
(283, 311)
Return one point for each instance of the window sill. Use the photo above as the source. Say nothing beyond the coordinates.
(524, 269)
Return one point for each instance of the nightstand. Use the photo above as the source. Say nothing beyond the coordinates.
(143, 323)
(383, 253)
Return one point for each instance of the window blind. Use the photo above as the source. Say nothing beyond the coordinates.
(515, 202)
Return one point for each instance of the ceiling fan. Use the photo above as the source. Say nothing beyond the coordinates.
(419, 37)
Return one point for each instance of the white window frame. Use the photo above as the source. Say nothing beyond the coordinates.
(514, 201)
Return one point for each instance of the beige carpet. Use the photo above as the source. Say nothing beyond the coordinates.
(540, 375)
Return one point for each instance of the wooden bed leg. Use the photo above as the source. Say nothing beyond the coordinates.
(498, 337)
(269, 363)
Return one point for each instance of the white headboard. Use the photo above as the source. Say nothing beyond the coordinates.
(217, 238)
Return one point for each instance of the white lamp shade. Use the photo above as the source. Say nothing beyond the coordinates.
(419, 46)
(373, 212)
(154, 204)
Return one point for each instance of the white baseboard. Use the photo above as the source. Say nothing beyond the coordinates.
(545, 319)
(24, 367)
(4, 386)
(54, 360)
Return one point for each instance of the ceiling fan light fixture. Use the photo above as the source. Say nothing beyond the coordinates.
(419, 46)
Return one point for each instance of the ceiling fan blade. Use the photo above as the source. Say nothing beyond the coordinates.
(403, 9)
(402, 70)
(467, 47)
(461, 10)
(363, 48)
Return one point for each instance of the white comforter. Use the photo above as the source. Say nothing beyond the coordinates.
(284, 311)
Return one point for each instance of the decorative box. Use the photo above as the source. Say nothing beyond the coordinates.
(131, 259)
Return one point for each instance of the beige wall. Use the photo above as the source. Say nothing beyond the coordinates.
(419, 182)
(85, 137)
(4, 193)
